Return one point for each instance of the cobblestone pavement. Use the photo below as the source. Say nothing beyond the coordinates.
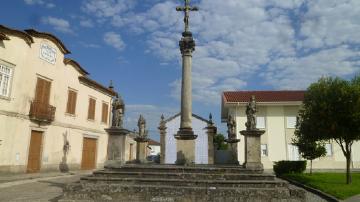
(35, 190)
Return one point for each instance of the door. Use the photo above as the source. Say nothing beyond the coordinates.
(88, 154)
(34, 158)
(42, 93)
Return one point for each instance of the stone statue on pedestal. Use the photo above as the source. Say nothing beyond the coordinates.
(142, 127)
(231, 124)
(251, 114)
(118, 110)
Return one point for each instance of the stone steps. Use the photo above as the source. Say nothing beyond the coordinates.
(170, 183)
(184, 169)
(137, 193)
(166, 175)
(187, 182)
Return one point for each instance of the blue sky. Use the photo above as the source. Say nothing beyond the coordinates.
(241, 45)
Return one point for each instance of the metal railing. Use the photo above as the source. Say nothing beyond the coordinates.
(43, 112)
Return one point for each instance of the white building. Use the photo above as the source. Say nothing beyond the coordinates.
(154, 147)
(277, 112)
(199, 125)
(51, 113)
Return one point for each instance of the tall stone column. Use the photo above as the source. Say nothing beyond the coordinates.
(162, 129)
(185, 144)
(211, 132)
(185, 137)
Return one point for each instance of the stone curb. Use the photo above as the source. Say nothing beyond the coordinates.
(312, 190)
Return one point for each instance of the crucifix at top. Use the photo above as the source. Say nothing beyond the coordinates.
(186, 9)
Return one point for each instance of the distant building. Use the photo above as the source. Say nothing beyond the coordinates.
(277, 112)
(52, 115)
(199, 125)
(154, 147)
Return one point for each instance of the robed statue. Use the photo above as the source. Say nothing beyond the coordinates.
(231, 124)
(118, 109)
(251, 114)
(142, 127)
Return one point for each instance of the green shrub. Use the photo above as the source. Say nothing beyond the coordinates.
(285, 167)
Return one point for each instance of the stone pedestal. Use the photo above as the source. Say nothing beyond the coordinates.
(211, 132)
(252, 149)
(162, 129)
(141, 147)
(185, 152)
(233, 147)
(116, 147)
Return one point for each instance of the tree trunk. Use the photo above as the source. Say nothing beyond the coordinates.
(310, 167)
(348, 174)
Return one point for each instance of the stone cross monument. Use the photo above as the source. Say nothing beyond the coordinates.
(185, 136)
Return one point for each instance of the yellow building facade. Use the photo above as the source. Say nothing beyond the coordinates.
(52, 115)
(277, 112)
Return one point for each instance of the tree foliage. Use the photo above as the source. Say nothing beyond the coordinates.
(308, 148)
(219, 142)
(331, 111)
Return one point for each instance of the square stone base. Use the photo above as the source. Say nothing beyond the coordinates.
(141, 153)
(185, 152)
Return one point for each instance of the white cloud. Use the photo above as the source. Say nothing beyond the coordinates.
(40, 2)
(107, 8)
(114, 40)
(86, 23)
(282, 44)
(58, 24)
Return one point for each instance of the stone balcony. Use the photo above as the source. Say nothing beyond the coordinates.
(42, 112)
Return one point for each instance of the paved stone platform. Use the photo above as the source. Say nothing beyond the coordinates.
(178, 183)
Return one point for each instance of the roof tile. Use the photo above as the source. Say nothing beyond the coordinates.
(264, 96)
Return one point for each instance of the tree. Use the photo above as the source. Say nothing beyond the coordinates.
(308, 148)
(219, 142)
(331, 111)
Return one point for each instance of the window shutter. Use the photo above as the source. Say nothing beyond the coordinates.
(73, 102)
(42, 93)
(68, 105)
(91, 111)
(39, 90)
(47, 86)
(104, 113)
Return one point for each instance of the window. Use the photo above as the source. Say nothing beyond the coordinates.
(293, 152)
(71, 102)
(328, 148)
(260, 122)
(264, 150)
(5, 80)
(91, 110)
(42, 92)
(291, 122)
(104, 116)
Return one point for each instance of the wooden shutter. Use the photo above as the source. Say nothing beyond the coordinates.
(42, 93)
(91, 110)
(71, 103)
(104, 116)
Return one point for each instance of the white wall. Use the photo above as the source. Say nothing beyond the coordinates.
(278, 136)
(201, 142)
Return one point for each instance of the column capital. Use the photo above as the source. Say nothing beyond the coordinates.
(187, 45)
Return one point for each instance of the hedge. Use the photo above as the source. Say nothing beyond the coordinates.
(285, 167)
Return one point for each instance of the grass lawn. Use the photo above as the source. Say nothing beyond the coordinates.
(331, 183)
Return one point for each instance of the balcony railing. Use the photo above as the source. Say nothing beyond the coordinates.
(42, 112)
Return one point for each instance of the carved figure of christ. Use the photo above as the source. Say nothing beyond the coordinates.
(186, 9)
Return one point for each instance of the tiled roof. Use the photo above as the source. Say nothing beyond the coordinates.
(264, 96)
(153, 142)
